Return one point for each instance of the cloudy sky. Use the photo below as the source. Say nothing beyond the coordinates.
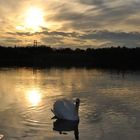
(70, 23)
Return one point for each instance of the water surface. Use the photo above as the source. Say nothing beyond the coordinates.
(109, 110)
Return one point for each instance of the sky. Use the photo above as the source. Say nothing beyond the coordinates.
(70, 23)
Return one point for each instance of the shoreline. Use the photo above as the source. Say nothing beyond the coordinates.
(45, 57)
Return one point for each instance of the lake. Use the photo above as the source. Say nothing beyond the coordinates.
(109, 108)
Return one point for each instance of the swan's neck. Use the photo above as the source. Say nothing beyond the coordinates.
(77, 107)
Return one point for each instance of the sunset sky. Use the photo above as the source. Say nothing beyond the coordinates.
(70, 23)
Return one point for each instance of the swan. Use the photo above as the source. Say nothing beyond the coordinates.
(66, 109)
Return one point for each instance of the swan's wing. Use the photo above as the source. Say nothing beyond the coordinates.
(69, 105)
(59, 108)
(64, 109)
(71, 112)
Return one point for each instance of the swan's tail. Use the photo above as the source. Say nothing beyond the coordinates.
(54, 117)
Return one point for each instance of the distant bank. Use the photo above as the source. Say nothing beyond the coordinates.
(43, 56)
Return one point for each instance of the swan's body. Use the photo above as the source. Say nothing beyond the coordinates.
(66, 109)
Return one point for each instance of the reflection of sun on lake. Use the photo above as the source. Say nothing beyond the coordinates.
(34, 96)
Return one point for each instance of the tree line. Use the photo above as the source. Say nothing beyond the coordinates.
(44, 56)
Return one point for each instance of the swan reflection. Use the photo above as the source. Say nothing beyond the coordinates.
(63, 126)
(34, 97)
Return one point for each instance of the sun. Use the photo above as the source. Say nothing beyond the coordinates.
(34, 19)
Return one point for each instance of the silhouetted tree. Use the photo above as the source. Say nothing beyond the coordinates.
(44, 56)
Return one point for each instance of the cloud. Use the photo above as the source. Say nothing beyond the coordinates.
(76, 22)
(108, 35)
(98, 38)
(129, 39)
(92, 38)
(59, 33)
(20, 33)
(92, 2)
(45, 32)
(10, 41)
(96, 14)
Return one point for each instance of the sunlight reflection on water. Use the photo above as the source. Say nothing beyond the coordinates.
(109, 109)
(33, 96)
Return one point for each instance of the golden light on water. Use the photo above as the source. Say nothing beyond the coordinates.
(34, 97)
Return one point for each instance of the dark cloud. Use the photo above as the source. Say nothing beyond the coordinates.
(21, 33)
(104, 36)
(129, 39)
(107, 35)
(57, 33)
(93, 2)
(67, 16)
(55, 41)
(11, 40)
(45, 32)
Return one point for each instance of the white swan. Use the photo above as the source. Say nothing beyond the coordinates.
(66, 109)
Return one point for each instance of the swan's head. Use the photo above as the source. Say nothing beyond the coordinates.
(77, 102)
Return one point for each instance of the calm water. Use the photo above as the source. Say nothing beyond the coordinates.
(109, 110)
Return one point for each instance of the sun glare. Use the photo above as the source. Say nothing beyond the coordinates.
(34, 19)
(34, 97)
